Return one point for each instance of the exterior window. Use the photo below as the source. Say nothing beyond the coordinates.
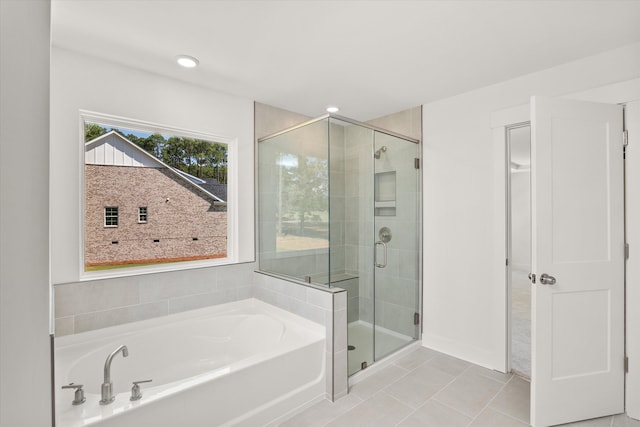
(182, 180)
(111, 216)
(142, 214)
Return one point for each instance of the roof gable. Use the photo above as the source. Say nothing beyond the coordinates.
(113, 149)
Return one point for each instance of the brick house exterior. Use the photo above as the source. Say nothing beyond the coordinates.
(183, 220)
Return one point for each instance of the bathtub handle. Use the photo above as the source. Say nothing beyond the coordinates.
(136, 394)
(78, 397)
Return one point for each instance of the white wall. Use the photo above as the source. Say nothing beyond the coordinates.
(25, 385)
(82, 82)
(463, 300)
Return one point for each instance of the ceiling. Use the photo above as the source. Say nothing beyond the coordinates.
(371, 58)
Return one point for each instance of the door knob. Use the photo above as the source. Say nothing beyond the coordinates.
(545, 279)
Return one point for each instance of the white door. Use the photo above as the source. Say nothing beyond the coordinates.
(577, 219)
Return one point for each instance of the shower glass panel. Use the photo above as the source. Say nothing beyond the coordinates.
(338, 206)
(293, 203)
(396, 235)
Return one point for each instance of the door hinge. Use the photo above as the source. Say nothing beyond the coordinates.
(416, 318)
(626, 364)
(416, 163)
(626, 251)
(625, 138)
(506, 262)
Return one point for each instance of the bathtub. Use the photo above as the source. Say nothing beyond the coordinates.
(243, 363)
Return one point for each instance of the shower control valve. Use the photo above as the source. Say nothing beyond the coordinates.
(136, 394)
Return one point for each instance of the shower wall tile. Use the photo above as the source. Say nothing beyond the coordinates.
(397, 291)
(318, 306)
(318, 298)
(366, 309)
(86, 297)
(64, 326)
(408, 265)
(352, 232)
(234, 276)
(340, 320)
(269, 119)
(97, 304)
(309, 311)
(193, 302)
(338, 259)
(340, 302)
(337, 180)
(157, 287)
(353, 309)
(395, 318)
(340, 362)
(351, 259)
(407, 122)
(102, 319)
(340, 374)
(366, 283)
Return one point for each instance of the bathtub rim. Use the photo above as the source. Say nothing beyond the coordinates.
(63, 341)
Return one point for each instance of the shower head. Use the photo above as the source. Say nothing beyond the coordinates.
(382, 149)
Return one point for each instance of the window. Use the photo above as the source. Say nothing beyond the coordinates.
(179, 176)
(142, 214)
(111, 216)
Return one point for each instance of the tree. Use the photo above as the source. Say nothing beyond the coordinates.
(152, 144)
(173, 152)
(305, 189)
(92, 131)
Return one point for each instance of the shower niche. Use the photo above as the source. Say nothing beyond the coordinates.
(325, 190)
(385, 193)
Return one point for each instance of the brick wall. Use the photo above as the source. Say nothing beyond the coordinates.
(177, 211)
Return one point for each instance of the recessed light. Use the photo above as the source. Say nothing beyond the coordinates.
(332, 109)
(187, 61)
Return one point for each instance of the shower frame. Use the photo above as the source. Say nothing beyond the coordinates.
(327, 287)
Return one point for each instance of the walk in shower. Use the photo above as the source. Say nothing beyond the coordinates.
(338, 206)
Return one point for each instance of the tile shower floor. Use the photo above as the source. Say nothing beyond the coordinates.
(426, 388)
(361, 338)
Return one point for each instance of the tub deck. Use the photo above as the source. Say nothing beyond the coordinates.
(239, 363)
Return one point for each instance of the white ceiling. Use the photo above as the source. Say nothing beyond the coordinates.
(369, 57)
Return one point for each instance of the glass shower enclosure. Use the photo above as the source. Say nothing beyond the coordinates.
(338, 206)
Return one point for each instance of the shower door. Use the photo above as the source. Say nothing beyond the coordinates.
(396, 236)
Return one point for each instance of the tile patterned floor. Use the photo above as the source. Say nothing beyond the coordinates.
(426, 388)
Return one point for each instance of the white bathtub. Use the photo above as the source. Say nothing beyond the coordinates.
(241, 363)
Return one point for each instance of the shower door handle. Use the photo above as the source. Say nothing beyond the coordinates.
(384, 259)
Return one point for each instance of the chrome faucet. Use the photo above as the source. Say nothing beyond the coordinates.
(107, 394)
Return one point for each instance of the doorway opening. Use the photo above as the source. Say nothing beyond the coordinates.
(518, 139)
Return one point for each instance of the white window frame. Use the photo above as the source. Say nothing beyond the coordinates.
(145, 214)
(111, 216)
(232, 195)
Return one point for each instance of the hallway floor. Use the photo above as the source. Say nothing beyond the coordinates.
(426, 388)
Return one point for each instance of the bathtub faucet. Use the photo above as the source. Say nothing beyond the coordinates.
(107, 394)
